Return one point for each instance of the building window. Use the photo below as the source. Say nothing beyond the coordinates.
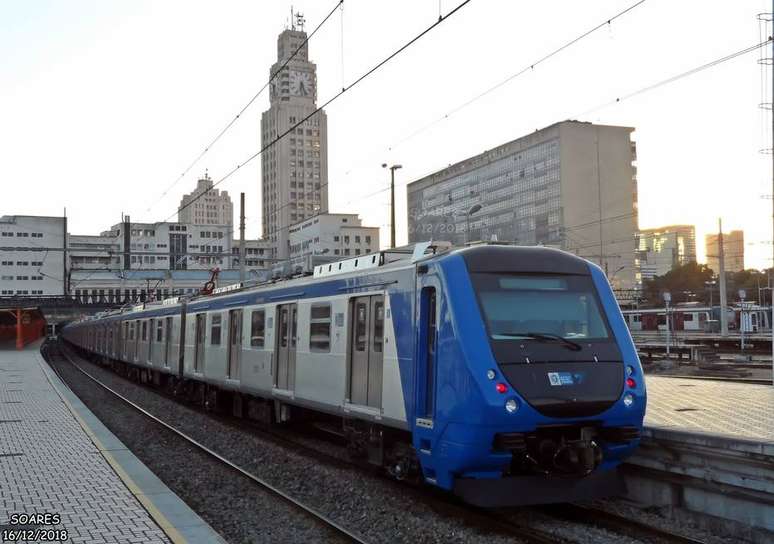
(320, 328)
(215, 330)
(368, 239)
(357, 239)
(257, 328)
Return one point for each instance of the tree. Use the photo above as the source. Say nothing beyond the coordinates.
(685, 283)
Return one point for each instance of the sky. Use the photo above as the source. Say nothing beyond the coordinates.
(104, 104)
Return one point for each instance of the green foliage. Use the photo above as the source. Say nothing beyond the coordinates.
(688, 284)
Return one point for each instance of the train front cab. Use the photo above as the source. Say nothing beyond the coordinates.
(505, 419)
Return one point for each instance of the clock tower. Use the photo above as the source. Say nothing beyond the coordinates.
(294, 171)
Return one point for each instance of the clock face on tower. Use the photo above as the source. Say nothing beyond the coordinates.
(301, 83)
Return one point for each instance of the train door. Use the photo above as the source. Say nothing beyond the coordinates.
(427, 352)
(366, 351)
(234, 343)
(201, 327)
(137, 331)
(167, 341)
(125, 341)
(287, 324)
(151, 339)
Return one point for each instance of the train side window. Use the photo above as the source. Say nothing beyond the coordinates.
(159, 330)
(320, 328)
(257, 328)
(216, 325)
(360, 327)
(378, 326)
(131, 330)
(283, 327)
(144, 331)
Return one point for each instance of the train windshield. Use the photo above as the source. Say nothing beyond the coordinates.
(541, 308)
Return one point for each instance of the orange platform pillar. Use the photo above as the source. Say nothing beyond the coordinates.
(19, 339)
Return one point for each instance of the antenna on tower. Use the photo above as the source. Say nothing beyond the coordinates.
(300, 21)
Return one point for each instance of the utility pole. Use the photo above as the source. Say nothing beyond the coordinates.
(392, 201)
(742, 316)
(65, 282)
(241, 238)
(722, 274)
(667, 300)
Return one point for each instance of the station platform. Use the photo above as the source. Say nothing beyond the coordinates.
(707, 452)
(733, 410)
(57, 458)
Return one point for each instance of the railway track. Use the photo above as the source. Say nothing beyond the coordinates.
(607, 520)
(498, 522)
(309, 511)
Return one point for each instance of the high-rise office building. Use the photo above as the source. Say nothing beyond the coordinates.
(205, 205)
(733, 251)
(294, 171)
(571, 185)
(664, 248)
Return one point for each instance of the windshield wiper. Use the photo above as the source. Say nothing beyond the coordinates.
(545, 337)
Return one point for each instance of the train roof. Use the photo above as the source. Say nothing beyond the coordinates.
(479, 257)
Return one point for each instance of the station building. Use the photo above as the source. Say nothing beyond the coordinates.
(335, 235)
(32, 255)
(571, 185)
(205, 205)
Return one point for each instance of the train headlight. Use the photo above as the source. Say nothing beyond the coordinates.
(511, 405)
(628, 399)
(490, 374)
(629, 370)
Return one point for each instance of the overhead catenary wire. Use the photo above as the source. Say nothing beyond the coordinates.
(249, 103)
(345, 89)
(528, 68)
(531, 66)
(643, 90)
(679, 76)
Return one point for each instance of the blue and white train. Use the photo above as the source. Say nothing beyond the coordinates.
(504, 374)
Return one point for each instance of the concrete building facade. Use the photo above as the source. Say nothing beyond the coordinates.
(214, 208)
(32, 255)
(571, 185)
(733, 250)
(258, 254)
(294, 170)
(172, 246)
(129, 286)
(335, 235)
(661, 249)
(89, 252)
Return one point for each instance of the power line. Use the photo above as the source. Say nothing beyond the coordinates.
(249, 103)
(524, 70)
(679, 76)
(320, 108)
(530, 67)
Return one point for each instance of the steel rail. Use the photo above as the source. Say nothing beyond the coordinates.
(620, 524)
(310, 511)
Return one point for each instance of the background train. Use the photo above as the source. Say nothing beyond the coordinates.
(505, 374)
(694, 317)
